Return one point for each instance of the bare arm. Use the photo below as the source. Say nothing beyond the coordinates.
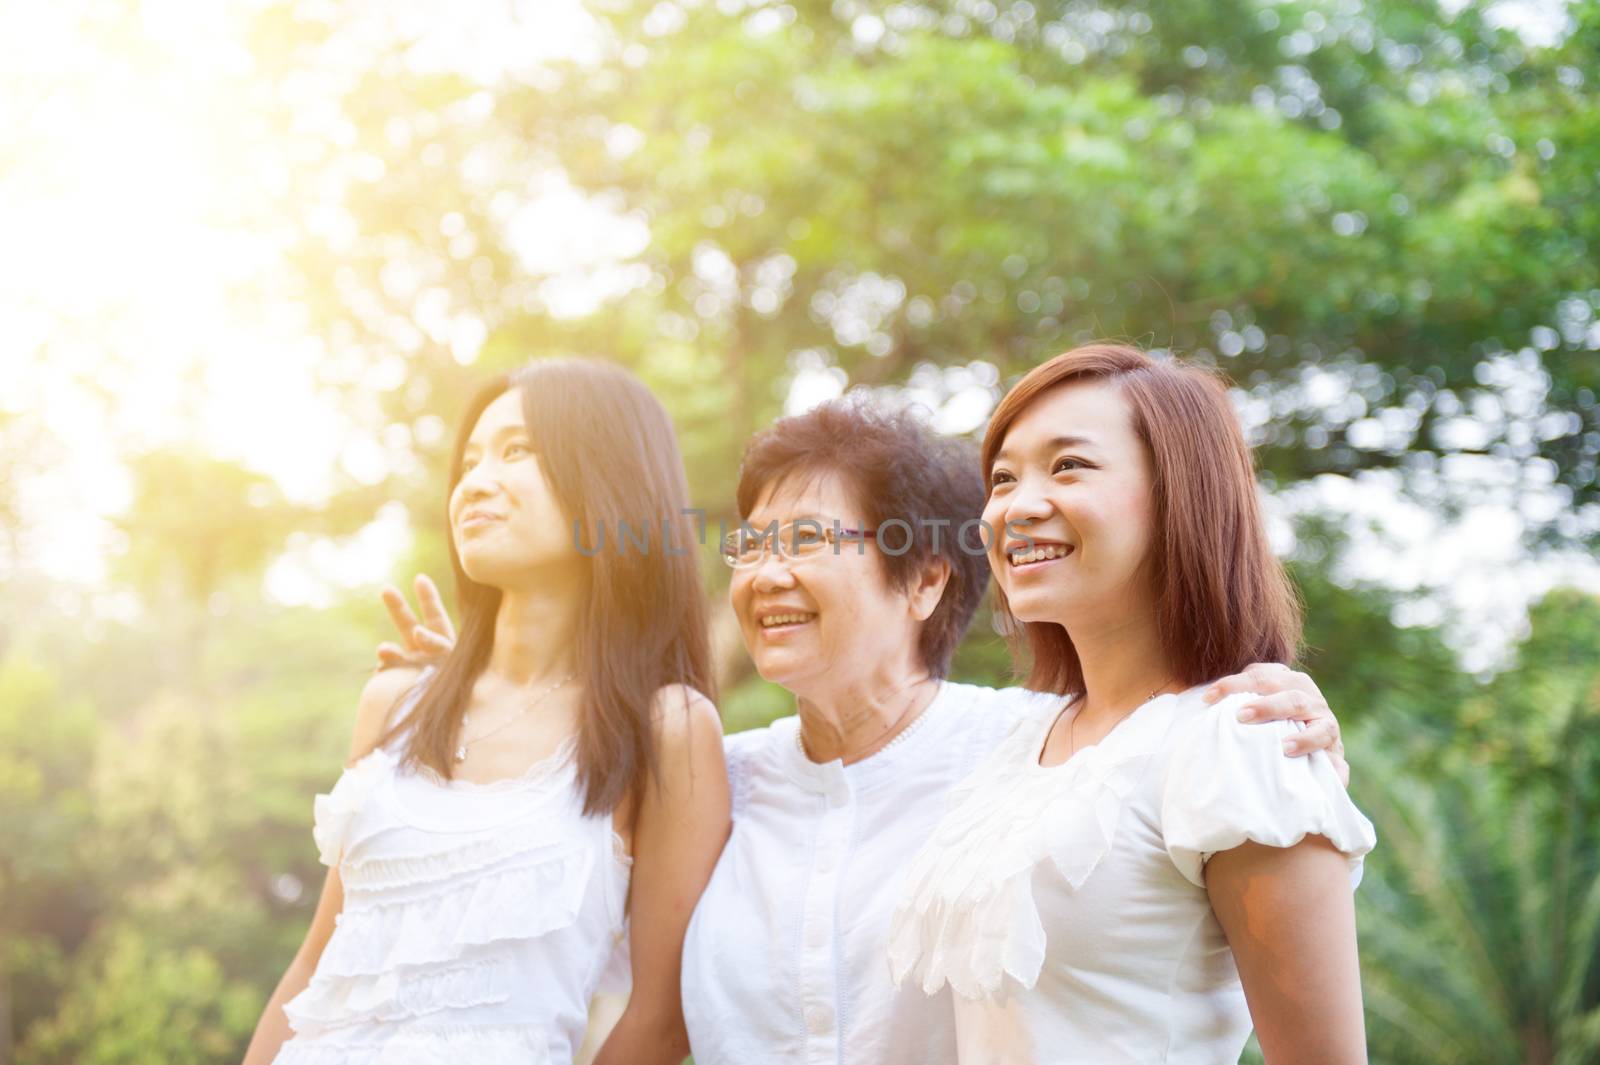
(378, 698)
(273, 1030)
(678, 835)
(1289, 916)
(1284, 694)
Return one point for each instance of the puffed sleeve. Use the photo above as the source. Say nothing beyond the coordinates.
(1228, 781)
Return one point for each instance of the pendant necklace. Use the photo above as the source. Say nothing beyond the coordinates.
(461, 750)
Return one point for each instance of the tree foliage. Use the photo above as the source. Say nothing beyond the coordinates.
(1378, 219)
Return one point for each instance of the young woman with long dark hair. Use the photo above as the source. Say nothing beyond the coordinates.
(554, 783)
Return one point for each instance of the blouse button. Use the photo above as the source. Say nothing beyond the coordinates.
(819, 1018)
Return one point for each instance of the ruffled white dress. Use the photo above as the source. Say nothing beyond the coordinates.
(1066, 905)
(478, 920)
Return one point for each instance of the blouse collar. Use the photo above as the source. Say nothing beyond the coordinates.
(834, 777)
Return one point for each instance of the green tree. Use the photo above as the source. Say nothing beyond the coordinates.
(47, 895)
(135, 1005)
(1480, 913)
(1377, 219)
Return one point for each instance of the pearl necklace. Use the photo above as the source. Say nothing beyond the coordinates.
(461, 749)
(900, 737)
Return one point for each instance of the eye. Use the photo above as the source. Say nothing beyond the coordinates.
(517, 449)
(804, 538)
(998, 478)
(467, 462)
(1066, 464)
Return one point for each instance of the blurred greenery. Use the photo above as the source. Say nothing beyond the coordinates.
(1378, 219)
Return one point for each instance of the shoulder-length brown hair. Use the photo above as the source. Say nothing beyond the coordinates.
(1223, 599)
(607, 450)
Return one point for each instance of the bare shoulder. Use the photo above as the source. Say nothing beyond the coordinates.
(382, 694)
(679, 709)
(687, 727)
(691, 772)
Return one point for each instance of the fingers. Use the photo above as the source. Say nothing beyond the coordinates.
(1282, 706)
(391, 655)
(1261, 676)
(434, 615)
(399, 610)
(428, 642)
(1320, 735)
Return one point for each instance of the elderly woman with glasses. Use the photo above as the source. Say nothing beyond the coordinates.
(857, 568)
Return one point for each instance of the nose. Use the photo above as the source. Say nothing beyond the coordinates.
(1025, 504)
(772, 573)
(476, 484)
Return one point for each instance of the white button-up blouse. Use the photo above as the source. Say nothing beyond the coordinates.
(786, 958)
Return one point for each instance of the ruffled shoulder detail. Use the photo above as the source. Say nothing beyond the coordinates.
(1229, 782)
(968, 916)
(333, 812)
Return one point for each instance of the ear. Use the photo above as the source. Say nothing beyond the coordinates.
(928, 588)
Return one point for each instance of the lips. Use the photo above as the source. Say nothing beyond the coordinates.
(474, 519)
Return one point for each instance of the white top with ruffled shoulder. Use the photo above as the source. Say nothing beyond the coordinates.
(1066, 905)
(478, 919)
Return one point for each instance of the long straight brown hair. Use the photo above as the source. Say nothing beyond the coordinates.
(1223, 599)
(607, 450)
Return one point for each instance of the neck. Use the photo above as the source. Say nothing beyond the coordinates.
(1123, 663)
(533, 634)
(854, 720)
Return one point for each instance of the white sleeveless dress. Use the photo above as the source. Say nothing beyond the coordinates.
(478, 920)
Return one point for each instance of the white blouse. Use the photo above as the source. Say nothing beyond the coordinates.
(784, 961)
(478, 919)
(1066, 905)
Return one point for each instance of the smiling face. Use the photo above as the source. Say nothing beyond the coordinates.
(827, 621)
(1072, 476)
(505, 521)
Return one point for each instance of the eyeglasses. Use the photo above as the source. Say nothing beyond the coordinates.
(796, 540)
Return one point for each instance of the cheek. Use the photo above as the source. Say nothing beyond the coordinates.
(994, 515)
(739, 596)
(991, 536)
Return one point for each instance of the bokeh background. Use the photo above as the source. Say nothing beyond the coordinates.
(256, 253)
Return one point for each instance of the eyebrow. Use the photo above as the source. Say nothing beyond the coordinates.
(758, 526)
(499, 434)
(1055, 443)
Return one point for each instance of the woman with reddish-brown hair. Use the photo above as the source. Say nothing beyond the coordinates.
(1135, 875)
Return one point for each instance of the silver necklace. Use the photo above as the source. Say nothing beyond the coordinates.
(1072, 722)
(800, 740)
(461, 750)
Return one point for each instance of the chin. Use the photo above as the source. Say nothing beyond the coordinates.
(485, 570)
(780, 669)
(1034, 607)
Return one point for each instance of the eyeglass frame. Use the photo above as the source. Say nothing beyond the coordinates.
(772, 541)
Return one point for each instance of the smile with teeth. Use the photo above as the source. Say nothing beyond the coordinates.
(1040, 553)
(774, 620)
